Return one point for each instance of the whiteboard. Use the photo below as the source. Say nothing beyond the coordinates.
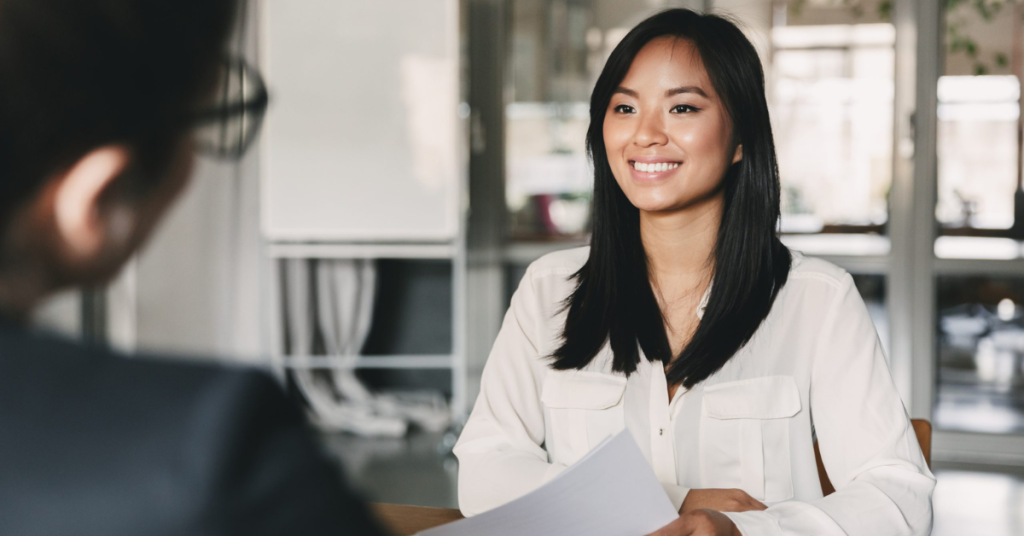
(362, 138)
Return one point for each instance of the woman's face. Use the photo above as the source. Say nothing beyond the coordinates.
(667, 134)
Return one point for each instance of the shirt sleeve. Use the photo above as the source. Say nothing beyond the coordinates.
(500, 451)
(883, 484)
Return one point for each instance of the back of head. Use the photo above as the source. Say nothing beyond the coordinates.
(80, 74)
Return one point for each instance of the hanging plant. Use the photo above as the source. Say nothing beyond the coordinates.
(958, 41)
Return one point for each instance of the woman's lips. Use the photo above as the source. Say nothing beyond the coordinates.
(652, 170)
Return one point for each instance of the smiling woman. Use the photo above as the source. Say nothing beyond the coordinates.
(689, 324)
(686, 91)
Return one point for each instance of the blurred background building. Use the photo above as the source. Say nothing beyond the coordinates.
(419, 154)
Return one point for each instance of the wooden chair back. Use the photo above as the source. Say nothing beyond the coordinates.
(923, 431)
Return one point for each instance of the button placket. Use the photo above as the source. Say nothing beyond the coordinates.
(663, 454)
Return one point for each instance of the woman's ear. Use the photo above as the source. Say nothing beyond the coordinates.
(84, 224)
(738, 154)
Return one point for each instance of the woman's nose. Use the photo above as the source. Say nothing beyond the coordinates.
(650, 131)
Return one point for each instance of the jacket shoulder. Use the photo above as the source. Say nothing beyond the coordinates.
(211, 444)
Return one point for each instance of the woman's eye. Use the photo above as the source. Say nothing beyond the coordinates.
(684, 109)
(624, 109)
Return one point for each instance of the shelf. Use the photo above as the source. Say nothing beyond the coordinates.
(355, 250)
(526, 252)
(838, 245)
(978, 256)
(425, 361)
(978, 248)
(868, 254)
(1005, 449)
(1014, 267)
(868, 264)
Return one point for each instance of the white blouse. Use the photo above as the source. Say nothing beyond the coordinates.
(814, 368)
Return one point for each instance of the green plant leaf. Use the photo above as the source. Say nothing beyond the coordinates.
(885, 10)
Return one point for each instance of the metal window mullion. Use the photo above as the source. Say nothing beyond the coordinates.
(929, 67)
(911, 289)
(899, 288)
(489, 42)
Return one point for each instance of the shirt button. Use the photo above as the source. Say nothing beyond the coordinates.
(661, 431)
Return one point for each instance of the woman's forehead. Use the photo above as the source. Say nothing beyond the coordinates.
(665, 63)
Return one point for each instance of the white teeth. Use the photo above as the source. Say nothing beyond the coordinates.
(654, 167)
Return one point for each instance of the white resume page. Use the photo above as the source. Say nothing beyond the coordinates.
(611, 491)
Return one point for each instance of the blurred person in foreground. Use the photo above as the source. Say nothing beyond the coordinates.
(99, 100)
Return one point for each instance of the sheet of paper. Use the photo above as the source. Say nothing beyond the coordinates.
(610, 492)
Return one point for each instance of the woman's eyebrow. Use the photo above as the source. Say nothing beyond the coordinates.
(686, 89)
(626, 91)
(670, 93)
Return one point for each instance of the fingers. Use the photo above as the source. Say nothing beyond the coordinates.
(706, 518)
(722, 500)
(743, 502)
(675, 528)
(754, 504)
(698, 523)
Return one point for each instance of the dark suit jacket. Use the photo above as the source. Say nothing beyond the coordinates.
(93, 443)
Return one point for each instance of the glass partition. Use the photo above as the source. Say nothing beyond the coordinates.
(980, 215)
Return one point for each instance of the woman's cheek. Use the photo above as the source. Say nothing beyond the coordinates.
(615, 139)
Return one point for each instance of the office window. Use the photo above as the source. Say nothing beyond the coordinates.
(977, 151)
(980, 333)
(978, 113)
(832, 102)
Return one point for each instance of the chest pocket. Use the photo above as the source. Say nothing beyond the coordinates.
(744, 436)
(583, 408)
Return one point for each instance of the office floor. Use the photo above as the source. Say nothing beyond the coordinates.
(402, 471)
(979, 500)
(968, 499)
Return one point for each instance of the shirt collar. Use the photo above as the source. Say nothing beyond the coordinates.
(704, 301)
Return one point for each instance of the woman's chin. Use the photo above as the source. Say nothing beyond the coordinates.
(657, 204)
(673, 201)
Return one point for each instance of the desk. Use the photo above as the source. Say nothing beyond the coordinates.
(406, 520)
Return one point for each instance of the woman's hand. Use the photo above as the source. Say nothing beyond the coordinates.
(700, 523)
(722, 500)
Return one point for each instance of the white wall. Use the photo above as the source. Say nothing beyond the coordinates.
(201, 285)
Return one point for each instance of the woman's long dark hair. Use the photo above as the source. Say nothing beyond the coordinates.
(613, 300)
